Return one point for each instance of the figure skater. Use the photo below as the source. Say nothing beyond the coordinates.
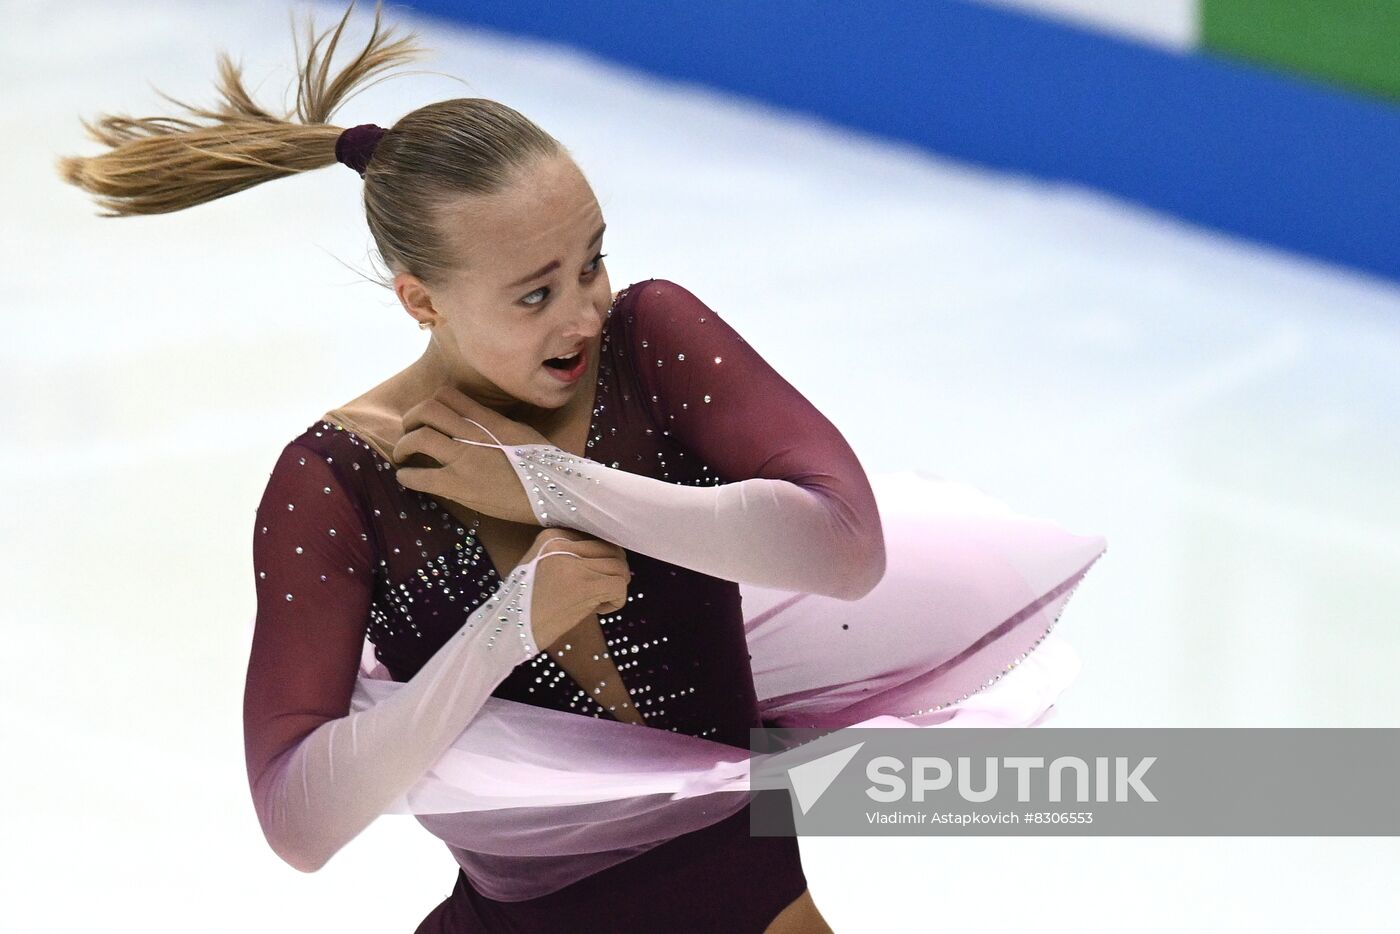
(555, 504)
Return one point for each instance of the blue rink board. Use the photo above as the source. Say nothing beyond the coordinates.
(1228, 145)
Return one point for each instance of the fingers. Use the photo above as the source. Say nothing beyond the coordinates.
(614, 567)
(591, 567)
(449, 413)
(423, 479)
(422, 442)
(435, 414)
(498, 428)
(609, 579)
(612, 606)
(422, 453)
(601, 586)
(603, 558)
(596, 580)
(613, 594)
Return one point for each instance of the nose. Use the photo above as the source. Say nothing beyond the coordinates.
(588, 319)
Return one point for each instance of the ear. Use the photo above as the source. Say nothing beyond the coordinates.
(414, 297)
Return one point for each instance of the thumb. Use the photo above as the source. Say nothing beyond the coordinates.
(409, 476)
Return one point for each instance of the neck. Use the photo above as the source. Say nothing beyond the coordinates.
(431, 372)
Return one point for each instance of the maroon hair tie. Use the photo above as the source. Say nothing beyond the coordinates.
(355, 146)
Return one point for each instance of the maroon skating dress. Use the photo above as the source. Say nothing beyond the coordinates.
(401, 570)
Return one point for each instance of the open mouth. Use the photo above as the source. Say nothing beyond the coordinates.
(565, 363)
(570, 367)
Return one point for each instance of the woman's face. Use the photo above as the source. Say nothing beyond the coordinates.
(531, 286)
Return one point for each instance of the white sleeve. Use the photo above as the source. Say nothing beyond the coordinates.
(322, 792)
(767, 532)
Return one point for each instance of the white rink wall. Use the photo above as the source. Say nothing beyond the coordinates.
(1173, 24)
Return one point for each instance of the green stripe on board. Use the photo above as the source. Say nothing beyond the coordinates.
(1353, 43)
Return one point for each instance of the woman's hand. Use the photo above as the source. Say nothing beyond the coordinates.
(480, 478)
(569, 590)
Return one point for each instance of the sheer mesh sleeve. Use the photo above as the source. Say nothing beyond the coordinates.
(723, 401)
(319, 774)
(798, 513)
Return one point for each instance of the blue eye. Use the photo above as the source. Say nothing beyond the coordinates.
(545, 289)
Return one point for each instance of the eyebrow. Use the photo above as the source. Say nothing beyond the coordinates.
(553, 265)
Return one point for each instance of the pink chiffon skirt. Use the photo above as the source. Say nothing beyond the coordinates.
(957, 634)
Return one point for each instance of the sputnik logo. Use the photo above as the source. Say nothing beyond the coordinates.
(810, 780)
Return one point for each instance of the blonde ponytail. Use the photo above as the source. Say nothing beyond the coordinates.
(421, 166)
(156, 165)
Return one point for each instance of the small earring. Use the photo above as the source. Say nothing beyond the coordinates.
(422, 325)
